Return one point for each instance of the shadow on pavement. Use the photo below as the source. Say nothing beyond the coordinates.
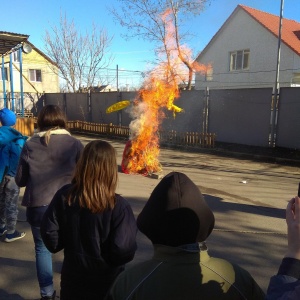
(5, 296)
(217, 205)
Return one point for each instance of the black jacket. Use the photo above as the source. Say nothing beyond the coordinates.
(96, 246)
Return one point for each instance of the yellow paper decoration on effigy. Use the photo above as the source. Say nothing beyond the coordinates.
(118, 106)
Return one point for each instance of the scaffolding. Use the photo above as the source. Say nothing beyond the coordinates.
(9, 44)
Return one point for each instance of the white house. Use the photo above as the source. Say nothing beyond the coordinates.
(243, 53)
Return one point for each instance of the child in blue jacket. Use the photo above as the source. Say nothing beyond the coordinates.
(11, 143)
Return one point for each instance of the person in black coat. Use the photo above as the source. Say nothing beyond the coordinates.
(94, 225)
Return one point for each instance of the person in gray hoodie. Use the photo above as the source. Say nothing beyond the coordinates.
(177, 220)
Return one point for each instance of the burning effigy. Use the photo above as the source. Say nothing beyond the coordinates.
(160, 89)
(141, 153)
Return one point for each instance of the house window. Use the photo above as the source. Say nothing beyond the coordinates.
(209, 74)
(295, 80)
(35, 75)
(5, 74)
(16, 56)
(239, 60)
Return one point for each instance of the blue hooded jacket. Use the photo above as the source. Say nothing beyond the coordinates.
(11, 144)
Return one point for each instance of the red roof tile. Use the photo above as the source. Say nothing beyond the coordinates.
(290, 31)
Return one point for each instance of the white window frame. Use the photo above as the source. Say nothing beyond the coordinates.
(295, 80)
(239, 60)
(209, 74)
(34, 76)
(5, 74)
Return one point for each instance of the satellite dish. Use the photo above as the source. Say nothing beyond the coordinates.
(26, 48)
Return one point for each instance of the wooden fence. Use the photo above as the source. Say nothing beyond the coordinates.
(96, 128)
(173, 137)
(25, 126)
(188, 138)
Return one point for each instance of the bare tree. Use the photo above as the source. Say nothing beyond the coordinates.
(79, 58)
(152, 20)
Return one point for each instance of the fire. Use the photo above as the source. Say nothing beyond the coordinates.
(159, 91)
(142, 152)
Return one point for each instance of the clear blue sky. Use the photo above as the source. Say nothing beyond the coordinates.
(35, 17)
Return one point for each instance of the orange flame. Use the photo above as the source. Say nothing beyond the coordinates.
(143, 151)
(159, 91)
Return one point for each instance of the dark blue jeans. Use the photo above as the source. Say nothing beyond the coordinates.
(43, 260)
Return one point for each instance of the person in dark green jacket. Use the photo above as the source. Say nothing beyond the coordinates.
(177, 220)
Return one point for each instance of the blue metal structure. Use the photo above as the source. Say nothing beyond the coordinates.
(9, 43)
(21, 82)
(3, 81)
(11, 82)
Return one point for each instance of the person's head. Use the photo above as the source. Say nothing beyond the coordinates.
(96, 177)
(7, 117)
(51, 116)
(176, 213)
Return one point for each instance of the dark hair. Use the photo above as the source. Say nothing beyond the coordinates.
(51, 116)
(95, 178)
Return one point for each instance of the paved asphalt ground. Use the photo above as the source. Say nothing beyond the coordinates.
(248, 198)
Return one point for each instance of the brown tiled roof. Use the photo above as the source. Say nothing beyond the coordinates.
(290, 32)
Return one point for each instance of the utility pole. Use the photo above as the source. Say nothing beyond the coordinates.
(117, 78)
(119, 113)
(275, 103)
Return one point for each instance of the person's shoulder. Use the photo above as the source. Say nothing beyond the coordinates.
(78, 142)
(122, 208)
(139, 270)
(216, 264)
(33, 138)
(9, 133)
(7, 130)
(4, 128)
(132, 278)
(62, 194)
(225, 262)
(65, 138)
(20, 139)
(121, 202)
(64, 190)
(15, 131)
(71, 138)
(214, 260)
